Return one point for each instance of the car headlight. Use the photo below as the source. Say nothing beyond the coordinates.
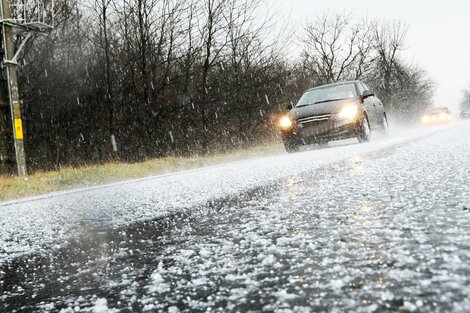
(286, 123)
(443, 116)
(426, 119)
(349, 112)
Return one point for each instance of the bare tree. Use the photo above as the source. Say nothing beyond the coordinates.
(102, 9)
(212, 44)
(337, 48)
(389, 42)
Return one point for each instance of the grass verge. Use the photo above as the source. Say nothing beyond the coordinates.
(67, 178)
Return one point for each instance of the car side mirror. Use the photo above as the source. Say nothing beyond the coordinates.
(367, 94)
(289, 107)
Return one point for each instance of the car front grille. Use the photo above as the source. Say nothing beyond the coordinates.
(314, 119)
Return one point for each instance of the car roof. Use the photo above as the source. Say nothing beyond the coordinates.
(335, 84)
(436, 110)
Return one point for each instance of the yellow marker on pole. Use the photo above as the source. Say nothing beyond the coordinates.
(19, 129)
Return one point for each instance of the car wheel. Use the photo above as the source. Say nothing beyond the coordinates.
(385, 127)
(291, 146)
(364, 130)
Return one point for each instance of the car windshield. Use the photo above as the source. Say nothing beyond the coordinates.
(327, 94)
(436, 111)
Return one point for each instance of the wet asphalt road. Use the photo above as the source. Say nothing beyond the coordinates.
(385, 231)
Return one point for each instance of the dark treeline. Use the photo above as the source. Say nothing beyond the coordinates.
(135, 79)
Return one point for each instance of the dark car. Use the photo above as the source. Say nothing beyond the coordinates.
(435, 115)
(332, 112)
(465, 113)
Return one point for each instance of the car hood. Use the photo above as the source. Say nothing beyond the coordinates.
(321, 108)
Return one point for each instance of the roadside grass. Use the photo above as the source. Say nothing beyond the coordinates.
(68, 178)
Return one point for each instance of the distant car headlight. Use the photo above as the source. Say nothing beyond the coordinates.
(426, 119)
(443, 116)
(349, 112)
(286, 123)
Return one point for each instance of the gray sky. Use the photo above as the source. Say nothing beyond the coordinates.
(438, 37)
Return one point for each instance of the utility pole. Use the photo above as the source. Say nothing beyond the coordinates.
(11, 86)
(12, 149)
(10, 89)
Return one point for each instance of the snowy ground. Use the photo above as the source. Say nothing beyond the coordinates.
(375, 227)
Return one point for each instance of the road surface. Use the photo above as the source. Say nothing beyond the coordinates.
(376, 227)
